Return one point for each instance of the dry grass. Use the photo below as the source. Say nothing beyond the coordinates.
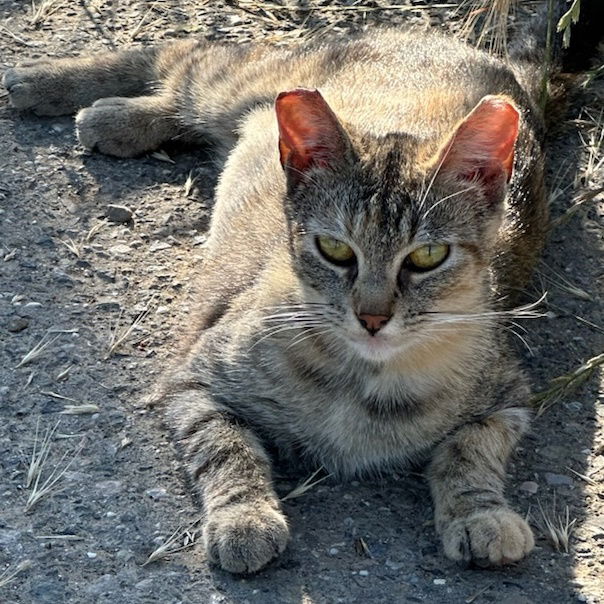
(72, 246)
(555, 278)
(161, 155)
(189, 183)
(556, 528)
(39, 453)
(10, 573)
(563, 385)
(487, 23)
(40, 11)
(120, 335)
(38, 350)
(78, 408)
(41, 450)
(307, 485)
(181, 538)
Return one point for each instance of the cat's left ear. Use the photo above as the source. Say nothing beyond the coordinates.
(310, 135)
(481, 149)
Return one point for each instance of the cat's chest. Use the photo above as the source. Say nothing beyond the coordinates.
(376, 423)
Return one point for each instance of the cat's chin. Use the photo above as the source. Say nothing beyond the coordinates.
(375, 349)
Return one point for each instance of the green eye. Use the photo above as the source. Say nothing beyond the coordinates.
(427, 257)
(336, 251)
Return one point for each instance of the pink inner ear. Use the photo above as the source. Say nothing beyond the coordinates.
(482, 147)
(309, 132)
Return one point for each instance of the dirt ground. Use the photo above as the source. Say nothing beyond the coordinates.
(107, 299)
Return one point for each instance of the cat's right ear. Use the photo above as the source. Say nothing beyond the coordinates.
(310, 135)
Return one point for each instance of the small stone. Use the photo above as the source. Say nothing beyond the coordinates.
(108, 305)
(157, 246)
(557, 480)
(334, 551)
(119, 214)
(120, 249)
(440, 581)
(363, 573)
(104, 585)
(91, 555)
(529, 487)
(157, 493)
(18, 324)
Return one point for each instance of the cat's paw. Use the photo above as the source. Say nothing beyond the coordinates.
(35, 86)
(244, 537)
(489, 537)
(123, 127)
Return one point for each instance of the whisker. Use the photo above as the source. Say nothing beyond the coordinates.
(298, 340)
(445, 199)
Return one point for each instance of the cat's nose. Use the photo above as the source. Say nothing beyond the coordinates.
(373, 323)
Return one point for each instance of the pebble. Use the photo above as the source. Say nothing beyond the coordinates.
(334, 551)
(440, 581)
(120, 249)
(363, 573)
(557, 480)
(156, 493)
(17, 325)
(105, 584)
(91, 555)
(157, 246)
(119, 214)
(107, 305)
(529, 487)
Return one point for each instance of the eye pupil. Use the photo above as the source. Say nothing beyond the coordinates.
(427, 257)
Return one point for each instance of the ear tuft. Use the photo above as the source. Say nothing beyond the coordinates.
(481, 149)
(310, 134)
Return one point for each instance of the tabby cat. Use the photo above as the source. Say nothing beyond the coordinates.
(381, 199)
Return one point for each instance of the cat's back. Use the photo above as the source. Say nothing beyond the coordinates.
(417, 82)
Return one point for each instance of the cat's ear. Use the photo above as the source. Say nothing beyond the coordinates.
(481, 149)
(310, 134)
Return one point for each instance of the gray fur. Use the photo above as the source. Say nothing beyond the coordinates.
(277, 355)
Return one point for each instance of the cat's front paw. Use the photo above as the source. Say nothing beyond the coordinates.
(244, 537)
(489, 537)
(34, 86)
(122, 127)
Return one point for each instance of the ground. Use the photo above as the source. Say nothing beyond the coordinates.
(107, 291)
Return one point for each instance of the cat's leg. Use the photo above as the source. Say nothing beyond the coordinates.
(244, 526)
(466, 478)
(134, 90)
(127, 127)
(62, 86)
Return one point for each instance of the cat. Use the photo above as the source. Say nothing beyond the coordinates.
(380, 202)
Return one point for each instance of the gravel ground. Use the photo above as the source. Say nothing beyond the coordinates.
(75, 274)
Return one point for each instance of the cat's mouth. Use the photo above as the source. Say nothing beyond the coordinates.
(377, 348)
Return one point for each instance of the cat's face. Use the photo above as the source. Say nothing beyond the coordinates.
(389, 249)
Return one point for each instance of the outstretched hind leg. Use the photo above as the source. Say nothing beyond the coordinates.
(62, 86)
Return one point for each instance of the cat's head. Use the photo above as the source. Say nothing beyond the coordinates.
(392, 237)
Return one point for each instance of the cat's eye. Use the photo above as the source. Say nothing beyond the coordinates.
(336, 251)
(427, 257)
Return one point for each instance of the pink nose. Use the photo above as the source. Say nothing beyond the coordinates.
(373, 323)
